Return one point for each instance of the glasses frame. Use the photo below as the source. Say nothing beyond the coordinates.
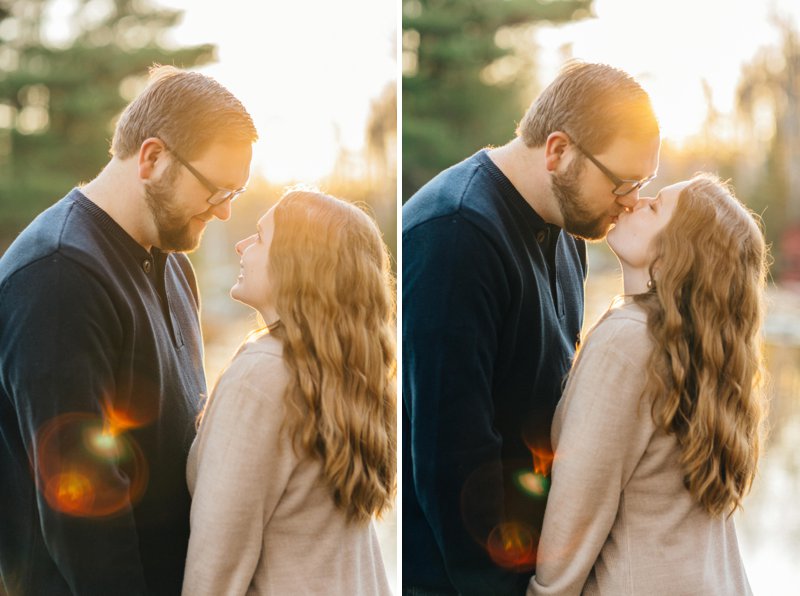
(636, 184)
(225, 194)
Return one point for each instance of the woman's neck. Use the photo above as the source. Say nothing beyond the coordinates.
(634, 280)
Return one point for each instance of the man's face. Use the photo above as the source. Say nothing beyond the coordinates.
(585, 194)
(178, 200)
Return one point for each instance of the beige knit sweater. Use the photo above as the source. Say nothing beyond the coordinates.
(619, 520)
(263, 521)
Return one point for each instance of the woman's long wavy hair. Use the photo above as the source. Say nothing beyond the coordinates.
(333, 292)
(705, 315)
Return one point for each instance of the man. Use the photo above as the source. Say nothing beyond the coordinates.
(101, 368)
(494, 263)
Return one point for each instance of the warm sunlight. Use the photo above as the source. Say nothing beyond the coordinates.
(307, 82)
(680, 50)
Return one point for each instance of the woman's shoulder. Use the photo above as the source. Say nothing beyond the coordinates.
(625, 321)
(257, 350)
(263, 345)
(258, 365)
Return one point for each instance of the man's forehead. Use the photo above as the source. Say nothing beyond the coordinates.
(636, 158)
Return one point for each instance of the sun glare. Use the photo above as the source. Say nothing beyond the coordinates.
(687, 54)
(306, 71)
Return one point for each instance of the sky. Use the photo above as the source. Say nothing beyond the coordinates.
(671, 47)
(306, 70)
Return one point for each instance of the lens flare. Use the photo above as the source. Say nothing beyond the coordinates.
(140, 413)
(511, 546)
(532, 483)
(102, 443)
(542, 460)
(72, 492)
(87, 471)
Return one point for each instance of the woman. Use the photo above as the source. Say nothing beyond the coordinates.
(295, 452)
(657, 434)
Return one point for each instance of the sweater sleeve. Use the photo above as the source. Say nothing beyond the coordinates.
(59, 335)
(244, 462)
(604, 431)
(454, 295)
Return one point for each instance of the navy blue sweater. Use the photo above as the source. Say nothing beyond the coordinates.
(95, 330)
(492, 312)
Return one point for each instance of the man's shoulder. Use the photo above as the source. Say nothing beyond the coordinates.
(463, 190)
(66, 232)
(43, 237)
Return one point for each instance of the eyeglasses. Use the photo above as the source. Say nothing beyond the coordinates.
(218, 194)
(622, 186)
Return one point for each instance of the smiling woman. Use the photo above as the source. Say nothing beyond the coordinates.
(296, 449)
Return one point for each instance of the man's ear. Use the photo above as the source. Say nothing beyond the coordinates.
(555, 148)
(151, 153)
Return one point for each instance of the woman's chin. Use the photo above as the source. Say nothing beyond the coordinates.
(237, 294)
(610, 242)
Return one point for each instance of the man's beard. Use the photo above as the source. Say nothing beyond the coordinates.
(174, 230)
(579, 220)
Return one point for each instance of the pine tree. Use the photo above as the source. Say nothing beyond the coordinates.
(461, 89)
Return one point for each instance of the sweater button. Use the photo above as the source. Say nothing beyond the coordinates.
(541, 236)
(146, 265)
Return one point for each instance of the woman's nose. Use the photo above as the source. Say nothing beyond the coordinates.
(242, 244)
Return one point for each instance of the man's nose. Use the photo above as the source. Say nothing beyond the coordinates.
(630, 200)
(222, 211)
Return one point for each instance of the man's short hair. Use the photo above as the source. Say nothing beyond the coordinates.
(593, 104)
(187, 110)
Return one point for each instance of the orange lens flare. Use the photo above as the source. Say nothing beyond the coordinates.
(119, 420)
(87, 471)
(511, 546)
(71, 492)
(542, 460)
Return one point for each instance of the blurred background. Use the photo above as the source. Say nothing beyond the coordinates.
(318, 78)
(724, 77)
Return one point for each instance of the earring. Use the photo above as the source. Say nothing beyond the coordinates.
(651, 284)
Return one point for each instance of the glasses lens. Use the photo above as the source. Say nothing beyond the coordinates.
(626, 188)
(219, 197)
(223, 195)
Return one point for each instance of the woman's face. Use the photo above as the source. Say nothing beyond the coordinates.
(632, 237)
(253, 285)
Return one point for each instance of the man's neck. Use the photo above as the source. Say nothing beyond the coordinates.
(116, 190)
(525, 168)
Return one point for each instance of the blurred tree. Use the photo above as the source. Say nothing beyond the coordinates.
(769, 98)
(381, 143)
(463, 81)
(63, 80)
(369, 176)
